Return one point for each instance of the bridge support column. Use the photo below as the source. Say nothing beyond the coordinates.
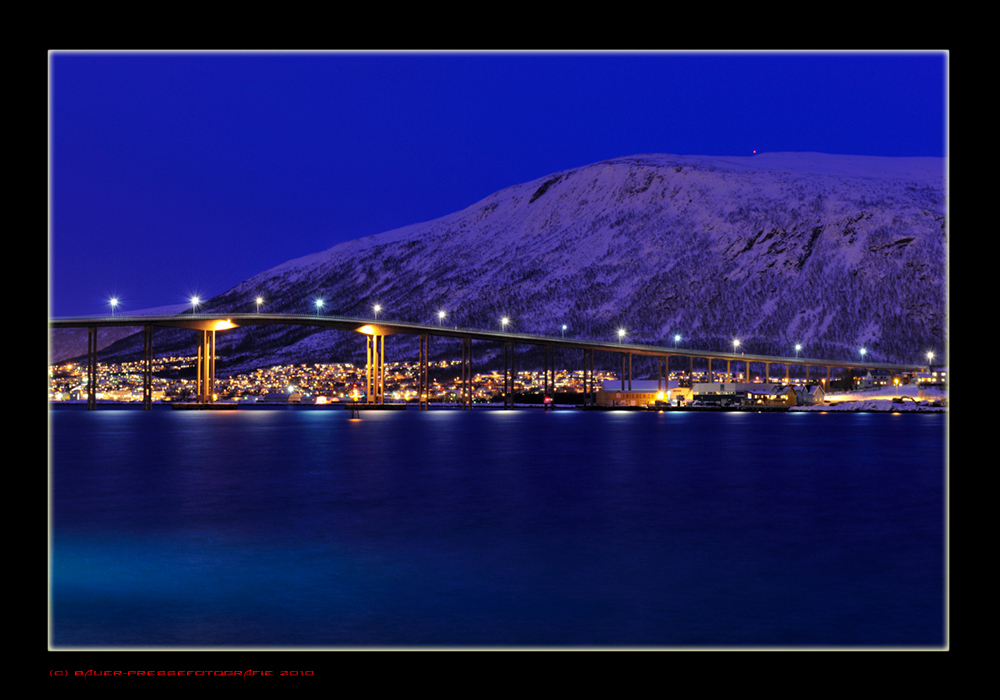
(549, 389)
(147, 369)
(423, 385)
(375, 370)
(508, 376)
(466, 374)
(205, 384)
(589, 398)
(92, 368)
(211, 378)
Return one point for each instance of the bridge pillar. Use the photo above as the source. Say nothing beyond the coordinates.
(549, 385)
(147, 369)
(375, 369)
(589, 397)
(466, 374)
(205, 384)
(423, 385)
(508, 376)
(92, 368)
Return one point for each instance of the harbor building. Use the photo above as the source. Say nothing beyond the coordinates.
(643, 392)
(743, 394)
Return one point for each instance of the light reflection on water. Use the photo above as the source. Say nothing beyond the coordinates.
(449, 528)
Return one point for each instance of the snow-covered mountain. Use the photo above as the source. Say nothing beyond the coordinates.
(831, 252)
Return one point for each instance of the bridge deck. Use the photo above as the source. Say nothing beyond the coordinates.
(212, 321)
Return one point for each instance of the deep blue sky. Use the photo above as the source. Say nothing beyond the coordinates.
(174, 173)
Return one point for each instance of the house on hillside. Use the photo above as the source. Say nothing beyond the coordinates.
(771, 395)
(875, 378)
(938, 376)
(812, 395)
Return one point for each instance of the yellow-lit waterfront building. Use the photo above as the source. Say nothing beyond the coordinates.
(644, 392)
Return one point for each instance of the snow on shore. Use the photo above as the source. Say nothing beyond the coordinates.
(881, 399)
(886, 405)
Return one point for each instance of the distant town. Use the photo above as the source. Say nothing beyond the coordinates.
(318, 384)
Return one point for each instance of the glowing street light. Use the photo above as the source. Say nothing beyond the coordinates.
(736, 345)
(621, 334)
(930, 356)
(677, 338)
(377, 308)
(114, 303)
(797, 348)
(564, 330)
(194, 304)
(441, 315)
(319, 305)
(863, 353)
(503, 323)
(259, 301)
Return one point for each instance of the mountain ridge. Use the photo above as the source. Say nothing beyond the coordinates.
(829, 251)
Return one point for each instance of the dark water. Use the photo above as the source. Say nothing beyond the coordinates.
(302, 528)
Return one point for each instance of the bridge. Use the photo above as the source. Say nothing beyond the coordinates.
(208, 324)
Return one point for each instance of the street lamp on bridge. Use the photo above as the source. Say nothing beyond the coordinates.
(319, 305)
(503, 323)
(797, 348)
(194, 304)
(621, 334)
(113, 301)
(441, 315)
(259, 301)
(564, 330)
(677, 338)
(376, 309)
